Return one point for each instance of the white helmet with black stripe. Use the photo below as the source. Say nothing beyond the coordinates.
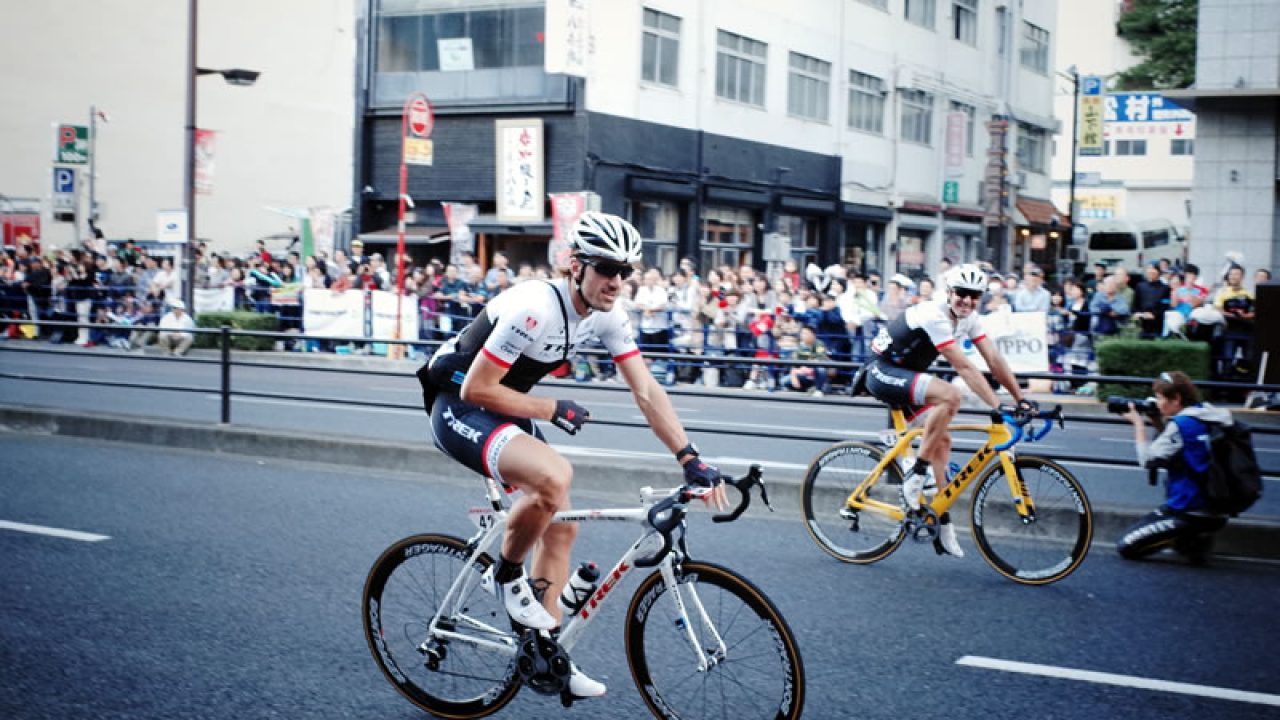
(601, 236)
(968, 277)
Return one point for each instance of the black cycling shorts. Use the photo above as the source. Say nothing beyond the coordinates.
(474, 436)
(898, 387)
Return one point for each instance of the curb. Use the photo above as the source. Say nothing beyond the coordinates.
(1252, 537)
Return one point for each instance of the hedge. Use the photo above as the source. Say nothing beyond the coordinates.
(1148, 358)
(238, 321)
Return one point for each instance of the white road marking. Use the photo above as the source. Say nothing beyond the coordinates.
(318, 403)
(1120, 680)
(775, 426)
(52, 531)
(718, 460)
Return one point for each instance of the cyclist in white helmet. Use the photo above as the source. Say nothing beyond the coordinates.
(906, 347)
(476, 390)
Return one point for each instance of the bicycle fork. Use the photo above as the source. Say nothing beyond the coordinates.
(1022, 501)
(706, 660)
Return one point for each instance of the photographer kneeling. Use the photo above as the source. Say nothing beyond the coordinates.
(1182, 448)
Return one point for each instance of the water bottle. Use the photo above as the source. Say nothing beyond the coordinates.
(576, 592)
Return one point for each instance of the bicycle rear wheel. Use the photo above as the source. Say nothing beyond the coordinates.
(455, 677)
(851, 535)
(1041, 551)
(758, 675)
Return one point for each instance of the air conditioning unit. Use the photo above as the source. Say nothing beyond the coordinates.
(904, 79)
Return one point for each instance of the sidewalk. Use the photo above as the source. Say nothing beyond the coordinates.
(1255, 537)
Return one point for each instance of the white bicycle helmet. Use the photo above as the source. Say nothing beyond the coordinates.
(607, 237)
(968, 277)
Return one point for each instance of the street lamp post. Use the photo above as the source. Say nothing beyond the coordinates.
(234, 76)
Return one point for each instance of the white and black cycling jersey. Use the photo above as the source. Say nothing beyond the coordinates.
(913, 339)
(524, 330)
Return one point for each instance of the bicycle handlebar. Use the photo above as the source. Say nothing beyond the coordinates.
(1017, 421)
(667, 514)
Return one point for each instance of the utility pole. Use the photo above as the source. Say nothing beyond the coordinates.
(1075, 141)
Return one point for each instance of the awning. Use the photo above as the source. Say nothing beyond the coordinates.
(964, 213)
(413, 235)
(490, 225)
(1034, 211)
(872, 213)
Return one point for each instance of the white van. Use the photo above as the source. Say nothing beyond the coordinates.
(1134, 244)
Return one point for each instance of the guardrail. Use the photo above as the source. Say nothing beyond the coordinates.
(226, 391)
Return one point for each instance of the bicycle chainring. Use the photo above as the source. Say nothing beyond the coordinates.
(542, 664)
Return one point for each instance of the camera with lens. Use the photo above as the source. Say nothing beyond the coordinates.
(1119, 405)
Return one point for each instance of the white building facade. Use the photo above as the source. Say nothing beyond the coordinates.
(284, 142)
(714, 123)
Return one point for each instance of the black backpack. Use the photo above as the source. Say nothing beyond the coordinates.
(1234, 481)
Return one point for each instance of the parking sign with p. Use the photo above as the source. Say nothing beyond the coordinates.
(72, 146)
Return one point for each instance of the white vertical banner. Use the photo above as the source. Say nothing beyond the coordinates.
(461, 239)
(520, 192)
(568, 37)
(322, 230)
(384, 316)
(957, 125)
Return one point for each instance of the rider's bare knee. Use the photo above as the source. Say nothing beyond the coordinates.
(552, 491)
(948, 402)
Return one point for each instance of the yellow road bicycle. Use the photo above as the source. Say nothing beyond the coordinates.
(1030, 518)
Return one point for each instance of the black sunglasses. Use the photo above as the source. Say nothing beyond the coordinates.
(967, 293)
(612, 270)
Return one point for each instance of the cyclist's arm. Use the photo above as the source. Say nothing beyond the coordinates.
(484, 387)
(653, 402)
(973, 377)
(1000, 369)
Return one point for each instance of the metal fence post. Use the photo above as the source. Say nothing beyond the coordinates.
(225, 341)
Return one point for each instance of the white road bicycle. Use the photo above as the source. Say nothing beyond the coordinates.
(701, 640)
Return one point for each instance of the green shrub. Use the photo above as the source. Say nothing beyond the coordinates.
(238, 321)
(1148, 358)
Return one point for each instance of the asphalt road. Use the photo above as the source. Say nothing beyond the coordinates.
(736, 427)
(230, 588)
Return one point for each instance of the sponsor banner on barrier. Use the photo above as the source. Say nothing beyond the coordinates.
(221, 299)
(333, 314)
(384, 316)
(1020, 337)
(287, 294)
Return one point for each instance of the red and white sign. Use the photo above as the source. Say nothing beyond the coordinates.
(421, 119)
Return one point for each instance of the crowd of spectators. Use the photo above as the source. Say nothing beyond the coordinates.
(815, 314)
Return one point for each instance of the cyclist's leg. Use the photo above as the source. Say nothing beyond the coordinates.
(944, 400)
(545, 477)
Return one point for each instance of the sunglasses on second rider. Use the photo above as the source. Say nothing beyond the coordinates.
(612, 270)
(967, 293)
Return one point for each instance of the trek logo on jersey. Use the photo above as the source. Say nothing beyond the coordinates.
(517, 330)
(558, 348)
(460, 427)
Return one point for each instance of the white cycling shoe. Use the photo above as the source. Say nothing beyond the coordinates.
(914, 484)
(583, 687)
(518, 600)
(947, 540)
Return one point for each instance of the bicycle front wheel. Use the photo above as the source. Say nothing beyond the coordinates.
(465, 669)
(754, 669)
(1040, 550)
(855, 535)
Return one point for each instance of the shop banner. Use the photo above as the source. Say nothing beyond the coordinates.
(566, 208)
(520, 192)
(206, 140)
(568, 37)
(459, 216)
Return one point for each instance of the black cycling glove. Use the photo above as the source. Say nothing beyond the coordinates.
(700, 474)
(1028, 407)
(569, 416)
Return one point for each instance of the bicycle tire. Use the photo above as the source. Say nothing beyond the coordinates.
(1043, 551)
(866, 536)
(761, 669)
(402, 594)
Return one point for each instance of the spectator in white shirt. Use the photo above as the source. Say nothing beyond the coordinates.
(652, 302)
(175, 335)
(1032, 297)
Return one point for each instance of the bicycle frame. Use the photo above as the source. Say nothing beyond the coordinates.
(492, 522)
(1000, 440)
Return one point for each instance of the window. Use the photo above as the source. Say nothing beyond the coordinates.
(1182, 147)
(1031, 146)
(920, 12)
(499, 38)
(658, 222)
(970, 113)
(964, 21)
(917, 116)
(803, 232)
(866, 102)
(809, 88)
(661, 61)
(1035, 48)
(740, 67)
(1131, 147)
(727, 235)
